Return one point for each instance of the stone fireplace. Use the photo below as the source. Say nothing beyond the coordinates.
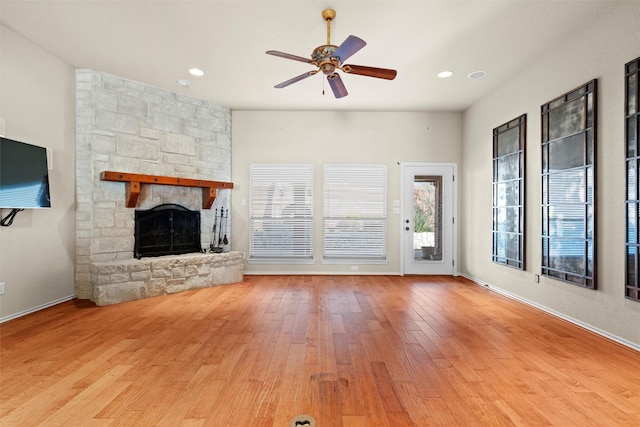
(135, 128)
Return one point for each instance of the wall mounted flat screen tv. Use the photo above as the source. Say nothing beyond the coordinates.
(24, 175)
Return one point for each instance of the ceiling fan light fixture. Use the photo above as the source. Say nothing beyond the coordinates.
(328, 68)
(445, 74)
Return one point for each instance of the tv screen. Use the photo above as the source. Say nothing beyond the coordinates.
(24, 176)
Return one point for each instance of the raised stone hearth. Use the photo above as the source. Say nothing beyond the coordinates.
(131, 279)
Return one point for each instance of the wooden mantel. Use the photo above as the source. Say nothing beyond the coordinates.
(135, 180)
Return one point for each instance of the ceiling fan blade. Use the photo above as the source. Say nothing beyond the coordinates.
(288, 56)
(337, 86)
(381, 73)
(295, 79)
(348, 47)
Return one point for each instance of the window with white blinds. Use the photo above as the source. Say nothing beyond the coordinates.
(355, 211)
(281, 212)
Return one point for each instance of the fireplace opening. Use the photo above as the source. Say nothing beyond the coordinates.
(167, 229)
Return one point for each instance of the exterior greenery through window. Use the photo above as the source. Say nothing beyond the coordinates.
(427, 221)
(632, 128)
(425, 207)
(509, 142)
(568, 186)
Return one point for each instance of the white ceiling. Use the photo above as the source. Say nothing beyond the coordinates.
(157, 41)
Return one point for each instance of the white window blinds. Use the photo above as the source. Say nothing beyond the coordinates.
(281, 211)
(355, 211)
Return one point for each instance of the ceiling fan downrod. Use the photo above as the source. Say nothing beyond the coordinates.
(328, 15)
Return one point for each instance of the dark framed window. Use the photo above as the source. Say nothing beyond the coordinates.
(632, 126)
(509, 142)
(568, 186)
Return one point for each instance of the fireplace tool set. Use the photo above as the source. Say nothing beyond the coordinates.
(219, 227)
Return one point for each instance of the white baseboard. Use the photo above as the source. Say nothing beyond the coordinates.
(320, 273)
(34, 309)
(562, 316)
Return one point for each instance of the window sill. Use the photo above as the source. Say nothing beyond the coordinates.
(280, 261)
(380, 261)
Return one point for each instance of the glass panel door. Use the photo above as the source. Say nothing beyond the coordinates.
(427, 219)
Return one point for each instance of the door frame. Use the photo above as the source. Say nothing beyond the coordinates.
(403, 213)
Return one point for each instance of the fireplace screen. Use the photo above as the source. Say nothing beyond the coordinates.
(167, 229)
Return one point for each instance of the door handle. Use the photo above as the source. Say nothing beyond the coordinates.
(406, 228)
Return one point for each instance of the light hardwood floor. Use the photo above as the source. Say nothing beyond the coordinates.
(347, 350)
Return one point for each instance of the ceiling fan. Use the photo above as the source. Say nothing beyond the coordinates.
(329, 58)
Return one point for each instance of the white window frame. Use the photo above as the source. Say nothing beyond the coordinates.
(281, 213)
(354, 213)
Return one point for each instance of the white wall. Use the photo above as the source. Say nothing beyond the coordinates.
(336, 137)
(37, 104)
(600, 51)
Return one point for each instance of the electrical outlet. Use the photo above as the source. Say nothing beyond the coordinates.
(1, 288)
(354, 268)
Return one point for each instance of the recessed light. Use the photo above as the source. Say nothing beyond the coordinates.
(477, 74)
(444, 74)
(196, 72)
(183, 82)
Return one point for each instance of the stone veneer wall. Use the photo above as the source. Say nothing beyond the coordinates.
(126, 126)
